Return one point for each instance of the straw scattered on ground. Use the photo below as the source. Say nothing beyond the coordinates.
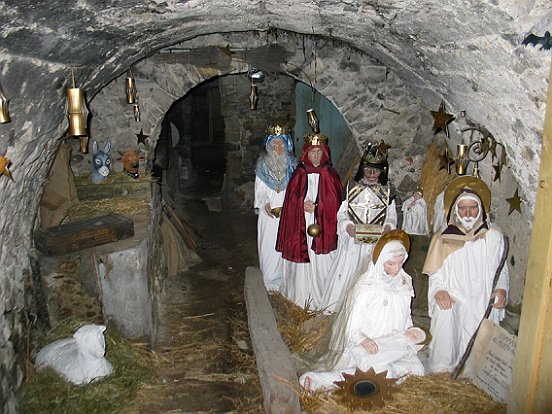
(435, 393)
(46, 392)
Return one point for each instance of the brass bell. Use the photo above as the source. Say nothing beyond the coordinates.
(314, 230)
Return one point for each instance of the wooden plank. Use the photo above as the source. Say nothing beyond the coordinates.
(276, 373)
(96, 231)
(531, 389)
(141, 189)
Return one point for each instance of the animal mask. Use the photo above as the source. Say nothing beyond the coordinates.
(101, 163)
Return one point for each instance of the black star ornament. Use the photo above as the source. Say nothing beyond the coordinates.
(441, 119)
(515, 202)
(141, 137)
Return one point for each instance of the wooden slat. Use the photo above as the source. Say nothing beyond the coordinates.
(276, 373)
(531, 390)
(84, 234)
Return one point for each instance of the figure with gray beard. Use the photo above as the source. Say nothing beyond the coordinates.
(273, 171)
(462, 262)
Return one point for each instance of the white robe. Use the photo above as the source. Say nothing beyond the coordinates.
(304, 283)
(396, 355)
(351, 258)
(271, 262)
(467, 275)
(415, 217)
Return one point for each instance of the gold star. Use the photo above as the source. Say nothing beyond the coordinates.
(498, 170)
(141, 137)
(441, 119)
(515, 202)
(4, 164)
(382, 147)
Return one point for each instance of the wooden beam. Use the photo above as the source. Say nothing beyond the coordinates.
(531, 390)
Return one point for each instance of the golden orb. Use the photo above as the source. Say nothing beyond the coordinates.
(314, 230)
(276, 211)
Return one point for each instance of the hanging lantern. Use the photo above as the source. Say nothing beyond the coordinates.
(77, 112)
(462, 159)
(253, 97)
(4, 104)
(130, 88)
(313, 121)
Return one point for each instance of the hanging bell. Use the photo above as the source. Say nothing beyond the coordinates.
(4, 107)
(76, 112)
(313, 121)
(130, 88)
(253, 97)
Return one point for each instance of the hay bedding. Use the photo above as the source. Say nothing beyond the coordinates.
(434, 393)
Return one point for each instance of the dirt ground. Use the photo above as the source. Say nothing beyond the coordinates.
(206, 364)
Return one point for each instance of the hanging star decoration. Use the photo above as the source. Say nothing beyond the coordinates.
(4, 164)
(498, 170)
(141, 137)
(364, 389)
(441, 119)
(515, 202)
(445, 161)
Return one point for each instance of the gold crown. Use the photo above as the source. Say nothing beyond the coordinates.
(278, 129)
(376, 153)
(316, 139)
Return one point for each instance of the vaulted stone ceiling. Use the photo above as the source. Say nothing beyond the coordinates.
(466, 52)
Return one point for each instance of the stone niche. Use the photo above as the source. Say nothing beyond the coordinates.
(113, 282)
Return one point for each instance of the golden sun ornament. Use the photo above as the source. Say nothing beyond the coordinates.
(363, 390)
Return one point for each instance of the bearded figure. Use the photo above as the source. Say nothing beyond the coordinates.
(273, 171)
(467, 271)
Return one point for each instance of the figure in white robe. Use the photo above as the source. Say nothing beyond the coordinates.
(273, 171)
(312, 197)
(375, 305)
(396, 353)
(369, 204)
(415, 215)
(462, 262)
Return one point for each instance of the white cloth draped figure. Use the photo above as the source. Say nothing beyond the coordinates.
(352, 258)
(273, 171)
(415, 216)
(463, 263)
(376, 304)
(396, 353)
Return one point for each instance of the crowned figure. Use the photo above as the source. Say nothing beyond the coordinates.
(273, 171)
(307, 235)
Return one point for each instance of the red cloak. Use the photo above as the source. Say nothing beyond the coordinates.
(292, 237)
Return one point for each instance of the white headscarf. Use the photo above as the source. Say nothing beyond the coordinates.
(468, 222)
(374, 278)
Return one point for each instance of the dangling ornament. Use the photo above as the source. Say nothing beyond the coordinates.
(130, 88)
(77, 112)
(441, 119)
(314, 230)
(137, 112)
